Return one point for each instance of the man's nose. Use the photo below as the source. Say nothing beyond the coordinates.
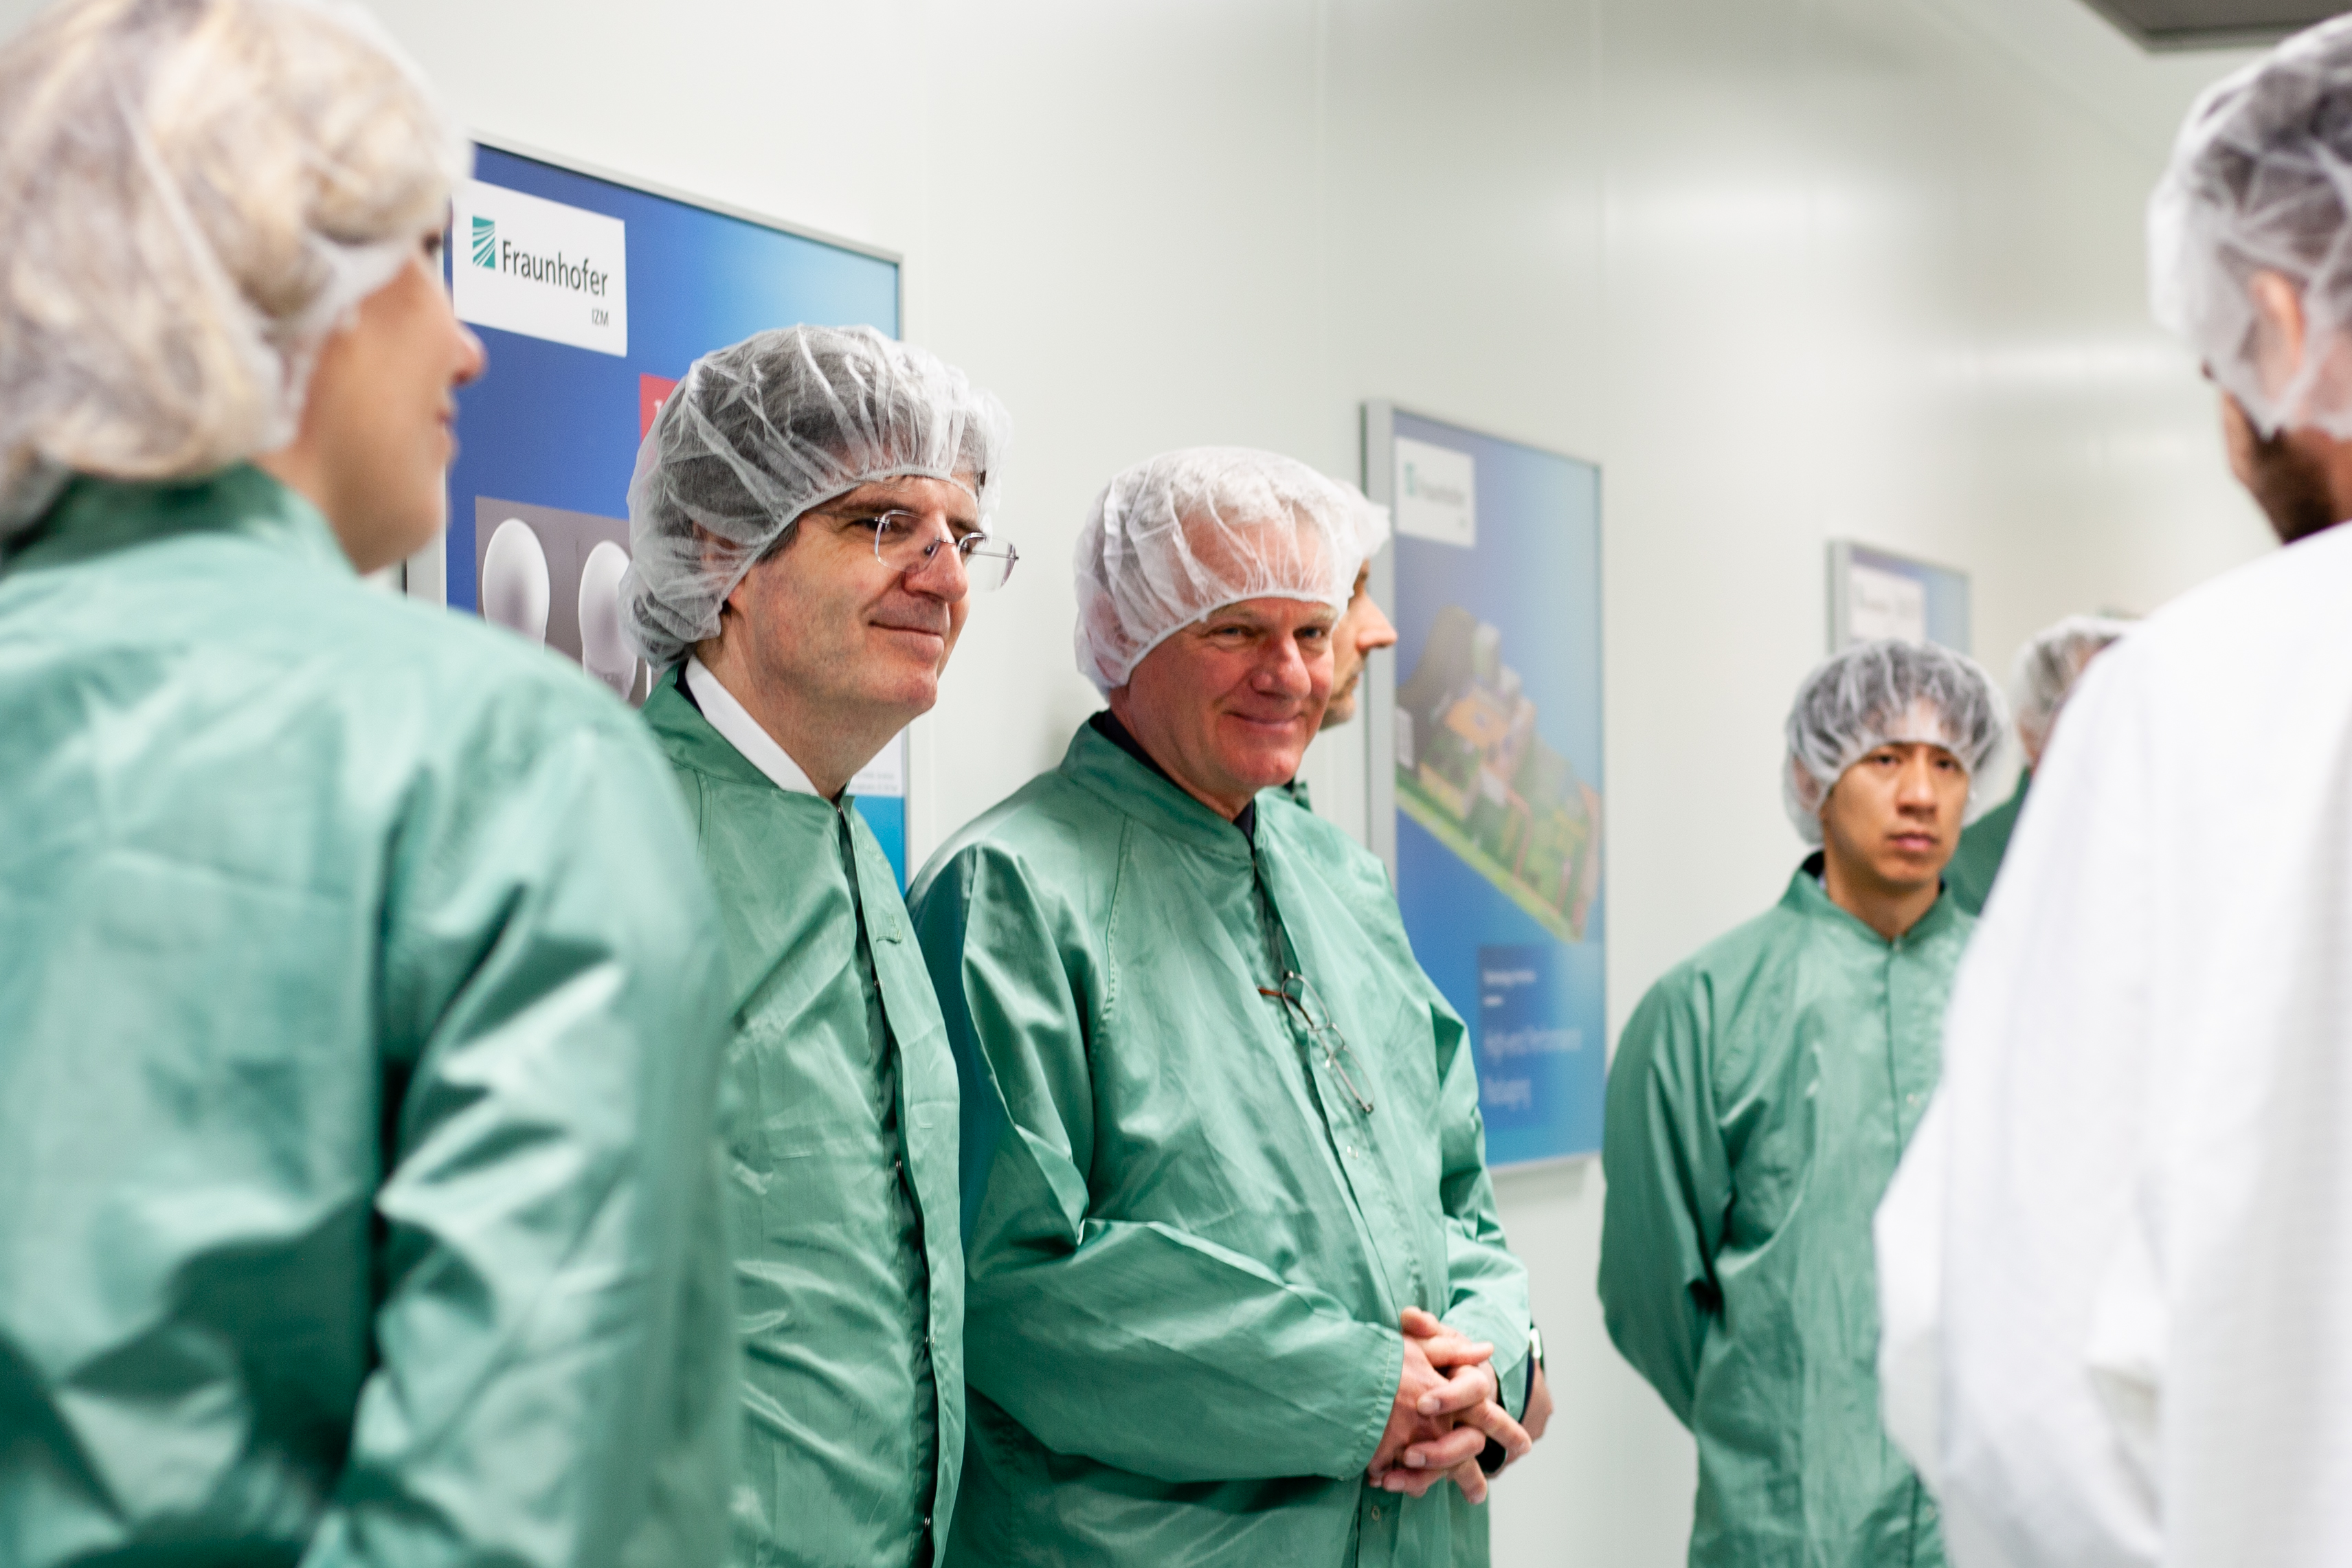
(1283, 672)
(941, 573)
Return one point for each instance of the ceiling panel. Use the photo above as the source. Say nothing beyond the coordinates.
(2208, 23)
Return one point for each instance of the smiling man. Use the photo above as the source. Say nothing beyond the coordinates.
(1237, 1291)
(809, 516)
(1760, 1099)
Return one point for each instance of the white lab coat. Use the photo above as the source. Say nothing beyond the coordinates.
(2116, 1268)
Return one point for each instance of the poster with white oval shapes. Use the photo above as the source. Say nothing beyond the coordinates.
(555, 577)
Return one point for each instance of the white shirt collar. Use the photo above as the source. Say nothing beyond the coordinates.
(739, 730)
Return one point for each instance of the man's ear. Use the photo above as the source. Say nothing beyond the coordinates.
(2278, 330)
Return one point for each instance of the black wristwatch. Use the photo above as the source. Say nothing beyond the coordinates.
(1494, 1456)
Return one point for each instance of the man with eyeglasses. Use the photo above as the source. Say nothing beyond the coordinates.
(808, 515)
(1237, 1291)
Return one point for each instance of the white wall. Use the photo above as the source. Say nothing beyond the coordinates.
(1786, 269)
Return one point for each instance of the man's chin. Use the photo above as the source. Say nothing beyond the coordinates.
(1262, 767)
(911, 692)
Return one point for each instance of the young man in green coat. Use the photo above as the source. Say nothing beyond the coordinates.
(808, 517)
(2047, 670)
(1238, 1294)
(359, 1024)
(1760, 1099)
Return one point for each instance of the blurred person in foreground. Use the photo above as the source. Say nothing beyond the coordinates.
(2113, 1265)
(1363, 629)
(809, 518)
(2047, 668)
(359, 1033)
(1237, 1291)
(1760, 1098)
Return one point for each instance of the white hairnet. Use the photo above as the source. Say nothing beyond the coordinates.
(2261, 180)
(761, 431)
(2048, 667)
(1881, 693)
(1180, 535)
(195, 193)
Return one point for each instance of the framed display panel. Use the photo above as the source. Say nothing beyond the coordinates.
(1876, 594)
(592, 292)
(1484, 741)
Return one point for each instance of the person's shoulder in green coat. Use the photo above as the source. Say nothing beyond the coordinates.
(1984, 844)
(392, 856)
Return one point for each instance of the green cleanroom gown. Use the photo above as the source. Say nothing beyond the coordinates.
(1983, 845)
(1471, 1548)
(1761, 1098)
(360, 1030)
(842, 1157)
(1188, 1246)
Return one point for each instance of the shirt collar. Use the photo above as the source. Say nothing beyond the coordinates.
(739, 730)
(1107, 724)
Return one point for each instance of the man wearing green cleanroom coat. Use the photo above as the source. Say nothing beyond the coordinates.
(807, 520)
(360, 1025)
(1237, 1291)
(1761, 1098)
(2047, 668)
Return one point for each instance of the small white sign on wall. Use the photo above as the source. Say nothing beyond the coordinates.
(524, 264)
(1436, 493)
(1883, 605)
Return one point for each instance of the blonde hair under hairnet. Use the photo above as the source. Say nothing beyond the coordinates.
(1885, 693)
(195, 193)
(1185, 533)
(2261, 180)
(763, 430)
(2048, 666)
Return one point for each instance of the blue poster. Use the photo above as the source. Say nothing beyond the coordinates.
(592, 297)
(1499, 769)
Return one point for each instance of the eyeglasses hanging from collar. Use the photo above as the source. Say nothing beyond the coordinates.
(1305, 1005)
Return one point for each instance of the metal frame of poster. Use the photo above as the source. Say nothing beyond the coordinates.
(1875, 592)
(1484, 756)
(593, 292)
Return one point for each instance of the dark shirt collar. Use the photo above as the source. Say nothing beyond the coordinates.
(1108, 727)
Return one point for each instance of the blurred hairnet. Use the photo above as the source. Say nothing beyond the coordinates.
(195, 193)
(760, 432)
(2048, 667)
(1879, 693)
(1187, 532)
(2261, 180)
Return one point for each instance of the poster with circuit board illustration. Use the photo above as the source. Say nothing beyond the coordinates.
(1497, 768)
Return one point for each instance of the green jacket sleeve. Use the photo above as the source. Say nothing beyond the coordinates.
(1488, 1285)
(1669, 1191)
(1132, 1344)
(555, 1368)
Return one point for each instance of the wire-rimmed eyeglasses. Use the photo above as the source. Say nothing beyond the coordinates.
(899, 544)
(1304, 1003)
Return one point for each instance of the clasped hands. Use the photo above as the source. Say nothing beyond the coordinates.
(1447, 1405)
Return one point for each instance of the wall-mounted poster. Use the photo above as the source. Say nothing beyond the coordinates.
(1486, 763)
(1876, 594)
(592, 294)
